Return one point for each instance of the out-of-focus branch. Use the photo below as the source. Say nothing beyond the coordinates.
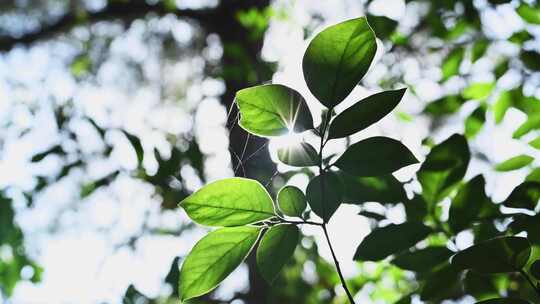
(126, 11)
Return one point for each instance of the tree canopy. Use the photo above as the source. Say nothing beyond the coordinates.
(151, 148)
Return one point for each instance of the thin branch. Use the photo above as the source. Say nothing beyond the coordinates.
(321, 173)
(338, 268)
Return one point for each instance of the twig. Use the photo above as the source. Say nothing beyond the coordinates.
(336, 262)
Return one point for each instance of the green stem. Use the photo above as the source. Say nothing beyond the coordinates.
(324, 127)
(282, 220)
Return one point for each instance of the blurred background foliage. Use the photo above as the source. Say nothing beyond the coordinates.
(113, 111)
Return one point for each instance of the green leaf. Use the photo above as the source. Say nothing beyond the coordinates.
(385, 189)
(475, 121)
(467, 203)
(443, 168)
(535, 269)
(57, 149)
(498, 255)
(291, 201)
(530, 224)
(444, 106)
(337, 59)
(383, 26)
(528, 13)
(502, 104)
(441, 284)
(479, 286)
(531, 59)
(479, 90)
(375, 156)
(514, 163)
(299, 155)
(479, 49)
(532, 123)
(416, 209)
(525, 195)
(213, 258)
(520, 37)
(504, 301)
(137, 146)
(276, 248)
(535, 143)
(451, 64)
(272, 110)
(325, 206)
(364, 113)
(423, 260)
(389, 240)
(229, 202)
(501, 68)
(534, 175)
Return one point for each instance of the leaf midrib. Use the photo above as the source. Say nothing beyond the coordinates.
(219, 259)
(228, 208)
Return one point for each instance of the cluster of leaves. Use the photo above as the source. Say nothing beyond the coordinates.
(454, 31)
(335, 61)
(495, 250)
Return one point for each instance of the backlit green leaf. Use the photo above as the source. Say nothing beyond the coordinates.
(291, 201)
(324, 194)
(213, 258)
(514, 163)
(337, 59)
(229, 202)
(478, 90)
(299, 155)
(275, 250)
(375, 156)
(389, 240)
(272, 110)
(364, 113)
(498, 255)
